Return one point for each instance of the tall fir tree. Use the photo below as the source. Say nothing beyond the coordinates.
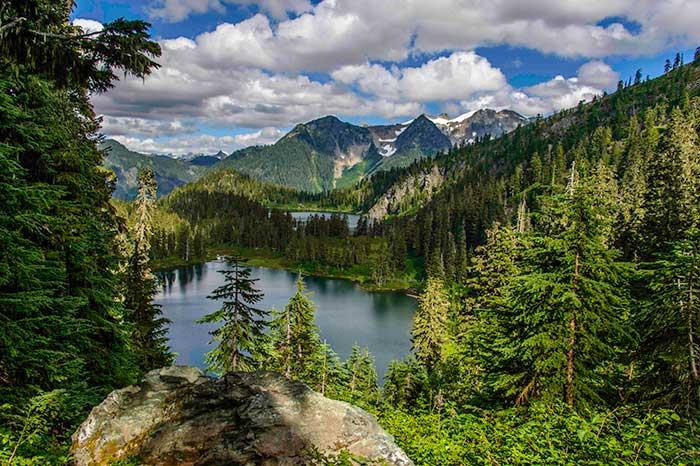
(568, 305)
(240, 338)
(429, 333)
(295, 336)
(362, 375)
(149, 334)
(60, 312)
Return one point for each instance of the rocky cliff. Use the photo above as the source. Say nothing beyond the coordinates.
(178, 416)
(417, 188)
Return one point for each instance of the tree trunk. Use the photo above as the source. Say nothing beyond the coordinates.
(288, 359)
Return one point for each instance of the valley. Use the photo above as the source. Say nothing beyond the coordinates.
(513, 281)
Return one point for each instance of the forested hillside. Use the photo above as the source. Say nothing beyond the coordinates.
(169, 172)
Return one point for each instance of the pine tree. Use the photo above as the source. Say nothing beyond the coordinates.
(429, 333)
(149, 327)
(669, 324)
(485, 337)
(61, 316)
(669, 321)
(362, 381)
(569, 303)
(670, 176)
(295, 336)
(241, 334)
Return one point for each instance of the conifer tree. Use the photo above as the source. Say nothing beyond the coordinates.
(362, 374)
(295, 336)
(241, 333)
(486, 340)
(149, 336)
(429, 333)
(569, 303)
(670, 325)
(671, 182)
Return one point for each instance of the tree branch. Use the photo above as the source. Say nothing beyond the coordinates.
(12, 24)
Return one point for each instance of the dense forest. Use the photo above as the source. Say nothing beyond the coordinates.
(558, 313)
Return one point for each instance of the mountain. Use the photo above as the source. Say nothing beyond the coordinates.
(205, 160)
(169, 172)
(328, 153)
(471, 126)
(418, 139)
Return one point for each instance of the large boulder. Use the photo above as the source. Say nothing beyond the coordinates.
(179, 416)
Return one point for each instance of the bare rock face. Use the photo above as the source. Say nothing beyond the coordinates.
(178, 416)
(420, 186)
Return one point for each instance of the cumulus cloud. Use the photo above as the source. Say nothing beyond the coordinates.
(593, 78)
(196, 144)
(177, 10)
(255, 74)
(456, 76)
(88, 25)
(336, 33)
(261, 137)
(122, 126)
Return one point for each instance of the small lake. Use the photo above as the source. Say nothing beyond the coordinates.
(303, 216)
(345, 313)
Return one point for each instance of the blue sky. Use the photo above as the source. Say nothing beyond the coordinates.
(237, 73)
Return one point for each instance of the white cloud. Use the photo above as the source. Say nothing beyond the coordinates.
(457, 76)
(88, 25)
(338, 33)
(593, 78)
(261, 137)
(177, 10)
(197, 144)
(122, 126)
(255, 74)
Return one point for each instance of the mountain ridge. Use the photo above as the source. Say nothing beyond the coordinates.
(328, 153)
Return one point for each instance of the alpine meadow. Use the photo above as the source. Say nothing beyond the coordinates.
(335, 232)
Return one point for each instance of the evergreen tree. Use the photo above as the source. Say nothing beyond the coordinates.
(486, 341)
(362, 381)
(429, 333)
(669, 324)
(569, 302)
(241, 335)
(672, 181)
(149, 336)
(295, 336)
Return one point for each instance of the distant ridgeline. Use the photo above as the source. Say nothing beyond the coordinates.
(320, 155)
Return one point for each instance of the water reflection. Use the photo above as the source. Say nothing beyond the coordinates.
(346, 314)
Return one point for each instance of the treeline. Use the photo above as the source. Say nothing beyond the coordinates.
(201, 215)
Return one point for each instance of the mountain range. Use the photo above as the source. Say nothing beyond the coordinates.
(169, 172)
(322, 154)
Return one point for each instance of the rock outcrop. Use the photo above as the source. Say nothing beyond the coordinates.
(179, 416)
(419, 187)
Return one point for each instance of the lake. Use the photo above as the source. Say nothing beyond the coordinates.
(345, 313)
(303, 216)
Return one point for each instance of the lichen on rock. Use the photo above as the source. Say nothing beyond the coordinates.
(177, 415)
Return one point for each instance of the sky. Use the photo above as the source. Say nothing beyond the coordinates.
(236, 73)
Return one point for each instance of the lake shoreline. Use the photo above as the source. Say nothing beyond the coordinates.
(264, 258)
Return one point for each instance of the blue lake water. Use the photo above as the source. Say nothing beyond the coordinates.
(345, 313)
